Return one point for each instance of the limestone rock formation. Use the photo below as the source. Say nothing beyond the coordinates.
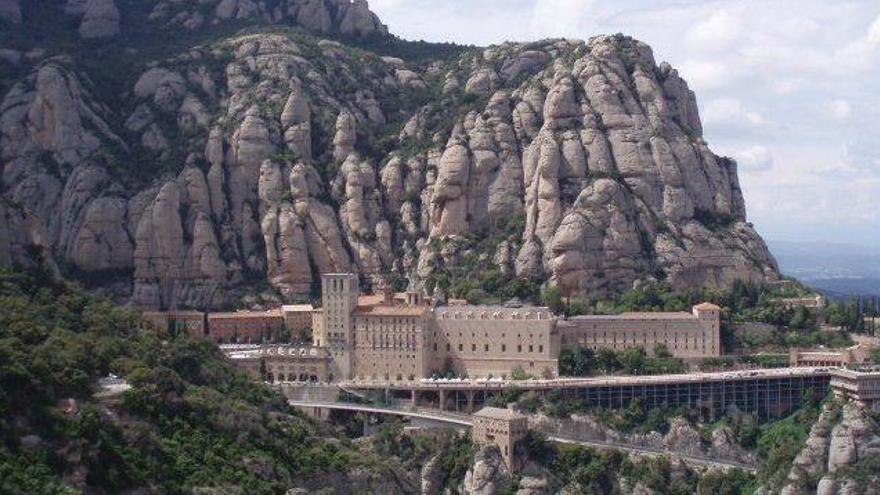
(843, 443)
(10, 11)
(682, 437)
(488, 475)
(431, 476)
(100, 19)
(23, 244)
(344, 17)
(357, 20)
(345, 137)
(575, 164)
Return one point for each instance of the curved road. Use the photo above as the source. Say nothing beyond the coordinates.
(458, 419)
(465, 420)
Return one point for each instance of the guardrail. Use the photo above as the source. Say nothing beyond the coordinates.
(482, 384)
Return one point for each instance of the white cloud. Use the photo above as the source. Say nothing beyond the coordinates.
(863, 157)
(839, 110)
(719, 32)
(562, 18)
(753, 159)
(874, 32)
(708, 74)
(785, 86)
(383, 5)
(728, 115)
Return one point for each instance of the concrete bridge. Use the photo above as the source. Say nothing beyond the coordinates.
(767, 393)
(466, 420)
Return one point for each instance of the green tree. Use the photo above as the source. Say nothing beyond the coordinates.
(633, 360)
(576, 362)
(552, 298)
(607, 361)
(518, 373)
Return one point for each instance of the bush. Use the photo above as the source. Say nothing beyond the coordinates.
(576, 362)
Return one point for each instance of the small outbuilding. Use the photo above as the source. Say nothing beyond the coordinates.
(501, 428)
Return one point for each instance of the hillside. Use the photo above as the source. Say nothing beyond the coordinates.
(841, 455)
(171, 155)
(191, 421)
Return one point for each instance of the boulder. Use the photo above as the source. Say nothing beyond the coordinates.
(100, 19)
(10, 11)
(449, 199)
(487, 475)
(346, 135)
(357, 20)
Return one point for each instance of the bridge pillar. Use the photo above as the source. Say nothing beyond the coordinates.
(442, 399)
(414, 398)
(470, 401)
(387, 395)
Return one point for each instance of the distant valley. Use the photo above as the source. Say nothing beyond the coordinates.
(840, 270)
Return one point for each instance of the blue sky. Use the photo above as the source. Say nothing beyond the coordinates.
(790, 88)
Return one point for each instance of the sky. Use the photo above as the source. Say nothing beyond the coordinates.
(789, 88)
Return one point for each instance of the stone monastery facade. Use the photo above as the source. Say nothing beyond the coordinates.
(403, 336)
(400, 337)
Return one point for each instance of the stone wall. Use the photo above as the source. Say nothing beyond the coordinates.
(685, 335)
(480, 341)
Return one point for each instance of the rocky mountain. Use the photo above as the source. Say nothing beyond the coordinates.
(682, 437)
(840, 456)
(626, 474)
(173, 153)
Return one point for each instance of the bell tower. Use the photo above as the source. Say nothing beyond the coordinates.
(339, 294)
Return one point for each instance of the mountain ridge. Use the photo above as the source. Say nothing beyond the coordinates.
(271, 155)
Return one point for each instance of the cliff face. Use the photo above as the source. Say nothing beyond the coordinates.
(840, 456)
(623, 473)
(273, 155)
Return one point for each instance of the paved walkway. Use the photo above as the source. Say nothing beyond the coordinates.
(465, 420)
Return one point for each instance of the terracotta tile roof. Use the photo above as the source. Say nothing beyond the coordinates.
(707, 306)
(371, 300)
(636, 316)
(383, 310)
(272, 313)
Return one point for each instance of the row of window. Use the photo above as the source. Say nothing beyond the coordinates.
(503, 347)
(623, 345)
(644, 343)
(486, 335)
(496, 315)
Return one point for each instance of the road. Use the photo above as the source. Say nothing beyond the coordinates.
(599, 381)
(465, 420)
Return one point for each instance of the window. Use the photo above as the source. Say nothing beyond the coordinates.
(460, 347)
(531, 348)
(540, 348)
(473, 347)
(519, 348)
(503, 347)
(486, 347)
